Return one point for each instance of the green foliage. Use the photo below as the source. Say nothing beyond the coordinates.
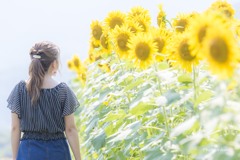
(144, 115)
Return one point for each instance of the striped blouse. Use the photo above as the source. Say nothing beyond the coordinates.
(45, 120)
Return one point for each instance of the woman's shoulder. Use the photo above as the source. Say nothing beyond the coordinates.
(20, 84)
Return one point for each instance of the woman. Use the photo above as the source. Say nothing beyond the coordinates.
(43, 109)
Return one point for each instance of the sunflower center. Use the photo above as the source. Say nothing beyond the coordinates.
(122, 40)
(116, 21)
(104, 42)
(181, 25)
(227, 13)
(70, 65)
(160, 44)
(142, 51)
(97, 32)
(202, 33)
(185, 52)
(219, 50)
(76, 62)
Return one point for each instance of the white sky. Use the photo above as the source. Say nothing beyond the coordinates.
(64, 22)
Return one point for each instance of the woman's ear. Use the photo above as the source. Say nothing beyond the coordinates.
(55, 65)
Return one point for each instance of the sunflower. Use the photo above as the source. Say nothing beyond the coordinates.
(96, 28)
(221, 51)
(105, 43)
(141, 17)
(94, 54)
(94, 43)
(76, 65)
(161, 18)
(70, 65)
(198, 30)
(134, 26)
(115, 18)
(142, 48)
(120, 37)
(76, 62)
(161, 38)
(136, 11)
(224, 7)
(181, 22)
(182, 52)
(143, 21)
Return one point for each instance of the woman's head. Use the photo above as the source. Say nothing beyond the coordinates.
(44, 62)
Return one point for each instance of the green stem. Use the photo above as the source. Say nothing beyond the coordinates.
(152, 127)
(124, 79)
(169, 23)
(166, 119)
(164, 107)
(158, 80)
(194, 87)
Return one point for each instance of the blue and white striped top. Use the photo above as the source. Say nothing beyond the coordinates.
(45, 120)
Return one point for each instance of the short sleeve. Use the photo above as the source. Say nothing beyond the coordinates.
(70, 102)
(14, 100)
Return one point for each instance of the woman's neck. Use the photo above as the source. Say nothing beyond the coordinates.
(49, 82)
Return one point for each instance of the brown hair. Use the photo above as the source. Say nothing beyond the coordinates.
(42, 55)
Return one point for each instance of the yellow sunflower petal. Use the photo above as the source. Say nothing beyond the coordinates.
(141, 17)
(161, 38)
(224, 7)
(106, 46)
(96, 29)
(182, 53)
(115, 18)
(161, 17)
(121, 36)
(221, 51)
(199, 27)
(181, 22)
(136, 11)
(142, 50)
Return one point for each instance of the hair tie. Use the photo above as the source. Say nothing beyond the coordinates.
(36, 56)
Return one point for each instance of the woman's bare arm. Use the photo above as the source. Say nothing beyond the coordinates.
(72, 135)
(15, 135)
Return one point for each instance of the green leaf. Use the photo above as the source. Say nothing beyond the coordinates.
(163, 65)
(99, 140)
(185, 78)
(205, 95)
(153, 154)
(172, 96)
(111, 116)
(128, 132)
(92, 123)
(104, 93)
(134, 84)
(182, 127)
(141, 108)
(125, 78)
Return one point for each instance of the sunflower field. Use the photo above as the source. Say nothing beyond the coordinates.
(161, 92)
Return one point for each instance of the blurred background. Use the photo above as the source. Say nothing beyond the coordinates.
(66, 23)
